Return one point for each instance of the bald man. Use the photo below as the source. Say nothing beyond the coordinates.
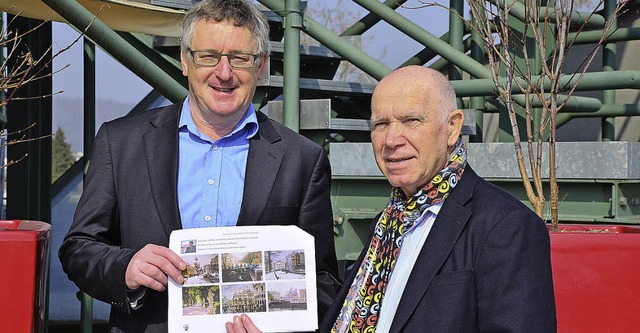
(451, 252)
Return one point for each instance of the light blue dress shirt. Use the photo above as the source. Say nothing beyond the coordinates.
(412, 243)
(211, 174)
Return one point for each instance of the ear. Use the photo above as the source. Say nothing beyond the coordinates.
(454, 124)
(263, 65)
(183, 63)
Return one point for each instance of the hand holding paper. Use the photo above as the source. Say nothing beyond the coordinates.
(150, 267)
(242, 324)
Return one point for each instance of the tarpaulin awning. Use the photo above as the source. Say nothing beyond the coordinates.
(121, 15)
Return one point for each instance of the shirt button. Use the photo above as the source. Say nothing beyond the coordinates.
(210, 182)
(207, 218)
(215, 147)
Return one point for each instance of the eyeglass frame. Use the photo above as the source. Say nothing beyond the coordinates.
(253, 55)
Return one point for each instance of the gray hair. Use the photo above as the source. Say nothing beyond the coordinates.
(448, 100)
(241, 13)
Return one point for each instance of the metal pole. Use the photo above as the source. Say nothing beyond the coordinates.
(456, 35)
(590, 81)
(518, 9)
(89, 132)
(291, 90)
(615, 35)
(477, 102)
(325, 36)
(609, 110)
(86, 313)
(609, 63)
(89, 129)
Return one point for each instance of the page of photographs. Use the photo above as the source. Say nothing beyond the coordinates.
(267, 272)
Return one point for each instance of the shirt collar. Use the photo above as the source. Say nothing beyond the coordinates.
(432, 210)
(248, 123)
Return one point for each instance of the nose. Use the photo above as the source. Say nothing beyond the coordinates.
(394, 136)
(223, 69)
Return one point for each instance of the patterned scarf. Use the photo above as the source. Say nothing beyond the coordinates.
(362, 304)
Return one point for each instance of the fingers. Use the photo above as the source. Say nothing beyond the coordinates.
(150, 267)
(249, 325)
(235, 326)
(241, 324)
(229, 326)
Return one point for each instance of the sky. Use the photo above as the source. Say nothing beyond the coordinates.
(116, 83)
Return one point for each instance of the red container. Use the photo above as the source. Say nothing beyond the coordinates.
(596, 275)
(24, 258)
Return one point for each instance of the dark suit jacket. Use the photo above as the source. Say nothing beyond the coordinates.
(129, 201)
(485, 267)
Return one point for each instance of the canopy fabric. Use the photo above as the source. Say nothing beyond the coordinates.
(121, 15)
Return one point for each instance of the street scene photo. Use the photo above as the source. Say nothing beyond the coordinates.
(244, 298)
(202, 300)
(201, 269)
(242, 267)
(284, 265)
(289, 296)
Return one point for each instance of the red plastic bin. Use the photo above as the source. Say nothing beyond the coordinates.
(24, 258)
(596, 273)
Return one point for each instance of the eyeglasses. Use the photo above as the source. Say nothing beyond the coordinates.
(211, 58)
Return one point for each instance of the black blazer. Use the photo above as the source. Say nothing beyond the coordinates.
(130, 200)
(485, 267)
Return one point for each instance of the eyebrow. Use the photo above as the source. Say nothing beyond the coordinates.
(419, 115)
(230, 51)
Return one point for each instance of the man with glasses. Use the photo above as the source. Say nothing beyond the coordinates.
(212, 160)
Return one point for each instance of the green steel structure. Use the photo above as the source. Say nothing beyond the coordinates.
(334, 114)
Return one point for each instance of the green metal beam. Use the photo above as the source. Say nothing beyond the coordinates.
(292, 22)
(88, 135)
(619, 35)
(609, 64)
(370, 20)
(117, 47)
(584, 201)
(476, 50)
(590, 81)
(425, 55)
(574, 104)
(169, 65)
(427, 39)
(456, 31)
(325, 36)
(89, 100)
(518, 10)
(608, 110)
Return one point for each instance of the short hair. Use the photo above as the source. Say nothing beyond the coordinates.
(449, 103)
(240, 13)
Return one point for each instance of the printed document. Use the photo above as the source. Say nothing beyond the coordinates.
(267, 272)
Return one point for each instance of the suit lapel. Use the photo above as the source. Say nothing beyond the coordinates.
(446, 230)
(263, 163)
(161, 153)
